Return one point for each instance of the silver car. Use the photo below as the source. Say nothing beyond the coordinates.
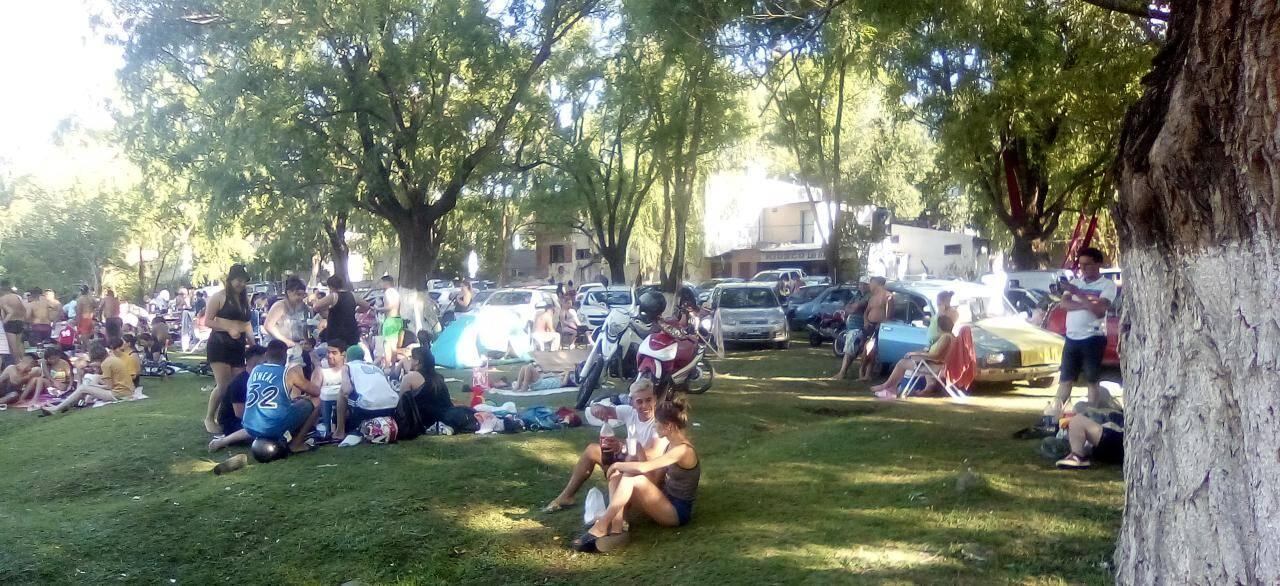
(751, 313)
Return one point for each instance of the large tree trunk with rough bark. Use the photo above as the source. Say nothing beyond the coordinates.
(1199, 177)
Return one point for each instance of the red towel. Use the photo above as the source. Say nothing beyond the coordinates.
(962, 363)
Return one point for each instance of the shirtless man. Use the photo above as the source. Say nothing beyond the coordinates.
(545, 336)
(13, 312)
(42, 311)
(86, 307)
(111, 313)
(392, 324)
(877, 312)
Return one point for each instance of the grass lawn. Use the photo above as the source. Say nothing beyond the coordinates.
(804, 481)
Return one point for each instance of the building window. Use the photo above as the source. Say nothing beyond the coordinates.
(557, 253)
(582, 254)
(806, 227)
(952, 250)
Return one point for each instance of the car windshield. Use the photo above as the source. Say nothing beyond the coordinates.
(806, 293)
(979, 308)
(768, 277)
(747, 298)
(510, 298)
(610, 298)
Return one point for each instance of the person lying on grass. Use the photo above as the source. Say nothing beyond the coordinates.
(280, 400)
(638, 418)
(532, 378)
(107, 378)
(231, 413)
(669, 504)
(935, 355)
(1089, 439)
(16, 378)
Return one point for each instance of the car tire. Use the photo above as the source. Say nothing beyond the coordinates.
(815, 339)
(1043, 382)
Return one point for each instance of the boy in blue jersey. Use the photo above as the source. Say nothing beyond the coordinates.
(271, 409)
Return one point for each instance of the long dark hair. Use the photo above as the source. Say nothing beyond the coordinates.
(241, 300)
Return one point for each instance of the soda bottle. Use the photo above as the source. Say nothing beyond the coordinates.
(607, 455)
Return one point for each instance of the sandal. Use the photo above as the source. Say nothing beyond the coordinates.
(586, 543)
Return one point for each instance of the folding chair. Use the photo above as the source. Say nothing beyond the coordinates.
(957, 372)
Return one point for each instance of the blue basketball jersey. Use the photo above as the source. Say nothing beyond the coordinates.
(266, 404)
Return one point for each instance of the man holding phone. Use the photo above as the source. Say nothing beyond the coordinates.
(1086, 300)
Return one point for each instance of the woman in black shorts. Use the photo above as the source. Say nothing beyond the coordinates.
(232, 332)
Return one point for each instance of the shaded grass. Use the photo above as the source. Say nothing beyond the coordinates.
(805, 481)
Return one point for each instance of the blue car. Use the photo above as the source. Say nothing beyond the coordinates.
(830, 300)
(1007, 348)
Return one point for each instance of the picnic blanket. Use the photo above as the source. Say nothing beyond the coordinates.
(511, 393)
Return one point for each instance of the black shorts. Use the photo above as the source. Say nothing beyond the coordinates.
(15, 326)
(225, 349)
(1110, 449)
(1083, 357)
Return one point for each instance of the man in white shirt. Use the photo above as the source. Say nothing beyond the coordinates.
(640, 424)
(1086, 300)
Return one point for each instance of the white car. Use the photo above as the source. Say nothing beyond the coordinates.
(751, 313)
(518, 304)
(598, 301)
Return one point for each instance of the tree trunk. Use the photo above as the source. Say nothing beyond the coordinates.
(338, 248)
(616, 256)
(1199, 187)
(1027, 253)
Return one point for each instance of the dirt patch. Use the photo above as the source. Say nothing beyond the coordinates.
(853, 411)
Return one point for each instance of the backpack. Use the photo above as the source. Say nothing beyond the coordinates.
(540, 418)
(461, 419)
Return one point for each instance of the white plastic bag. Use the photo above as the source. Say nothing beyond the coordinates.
(594, 507)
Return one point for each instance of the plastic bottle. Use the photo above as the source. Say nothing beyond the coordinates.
(607, 456)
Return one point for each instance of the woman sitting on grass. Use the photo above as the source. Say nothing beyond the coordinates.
(936, 354)
(669, 506)
(58, 378)
(106, 379)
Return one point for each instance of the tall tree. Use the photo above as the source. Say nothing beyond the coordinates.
(1024, 97)
(413, 98)
(1199, 182)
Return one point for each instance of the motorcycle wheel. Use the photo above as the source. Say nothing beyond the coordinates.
(589, 383)
(707, 373)
(815, 339)
(837, 345)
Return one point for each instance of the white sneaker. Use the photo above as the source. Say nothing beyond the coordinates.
(350, 440)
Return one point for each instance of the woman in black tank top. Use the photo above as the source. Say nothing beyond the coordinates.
(231, 333)
(340, 306)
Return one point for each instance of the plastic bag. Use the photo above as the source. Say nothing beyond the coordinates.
(594, 507)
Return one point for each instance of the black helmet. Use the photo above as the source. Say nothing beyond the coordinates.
(652, 304)
(686, 298)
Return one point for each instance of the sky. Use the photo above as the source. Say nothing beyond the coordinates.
(55, 68)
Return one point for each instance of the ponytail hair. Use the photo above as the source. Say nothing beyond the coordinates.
(674, 411)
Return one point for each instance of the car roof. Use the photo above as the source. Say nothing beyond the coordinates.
(930, 288)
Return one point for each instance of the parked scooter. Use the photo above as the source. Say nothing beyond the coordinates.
(672, 365)
(830, 326)
(613, 351)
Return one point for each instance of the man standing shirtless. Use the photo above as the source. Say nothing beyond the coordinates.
(86, 307)
(111, 313)
(392, 324)
(42, 311)
(877, 313)
(13, 312)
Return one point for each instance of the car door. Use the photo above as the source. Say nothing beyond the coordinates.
(905, 330)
